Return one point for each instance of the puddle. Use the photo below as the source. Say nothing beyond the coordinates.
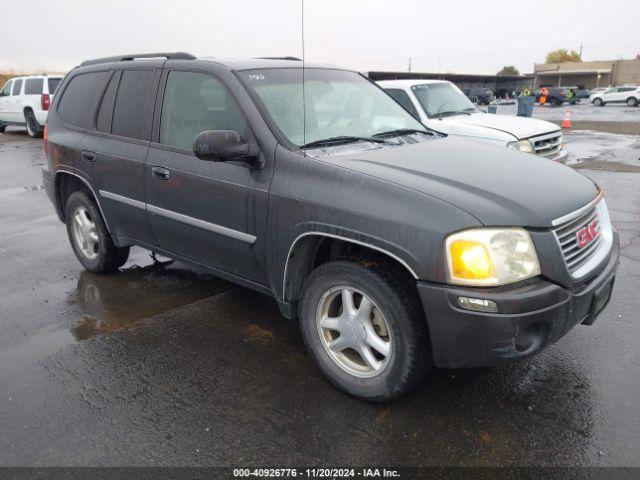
(111, 303)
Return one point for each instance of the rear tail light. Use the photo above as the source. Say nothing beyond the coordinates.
(45, 139)
(45, 101)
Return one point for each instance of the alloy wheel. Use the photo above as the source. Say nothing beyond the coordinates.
(85, 234)
(354, 331)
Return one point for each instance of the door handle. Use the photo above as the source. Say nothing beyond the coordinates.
(161, 173)
(88, 156)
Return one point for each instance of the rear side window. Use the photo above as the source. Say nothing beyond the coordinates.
(53, 84)
(403, 99)
(105, 114)
(33, 86)
(130, 110)
(17, 85)
(80, 98)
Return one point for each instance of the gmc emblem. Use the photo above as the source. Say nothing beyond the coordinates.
(588, 234)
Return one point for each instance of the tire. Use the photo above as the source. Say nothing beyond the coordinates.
(632, 102)
(396, 310)
(98, 253)
(2, 128)
(598, 102)
(34, 129)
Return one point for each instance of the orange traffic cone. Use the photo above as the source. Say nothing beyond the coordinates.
(566, 123)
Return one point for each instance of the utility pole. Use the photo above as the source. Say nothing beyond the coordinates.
(581, 51)
(409, 68)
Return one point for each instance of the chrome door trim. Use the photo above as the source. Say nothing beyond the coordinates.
(330, 235)
(195, 222)
(119, 198)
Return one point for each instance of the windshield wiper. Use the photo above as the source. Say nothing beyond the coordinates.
(449, 113)
(341, 139)
(401, 131)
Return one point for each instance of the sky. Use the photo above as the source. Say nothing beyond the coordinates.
(439, 36)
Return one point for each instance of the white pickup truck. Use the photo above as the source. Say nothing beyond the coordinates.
(442, 106)
(25, 101)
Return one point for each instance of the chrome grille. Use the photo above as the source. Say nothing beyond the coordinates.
(547, 145)
(567, 235)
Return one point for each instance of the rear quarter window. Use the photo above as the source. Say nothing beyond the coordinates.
(53, 84)
(33, 86)
(80, 98)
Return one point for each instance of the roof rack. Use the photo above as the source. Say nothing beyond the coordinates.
(293, 59)
(128, 58)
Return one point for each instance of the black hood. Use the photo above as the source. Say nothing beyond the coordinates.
(498, 185)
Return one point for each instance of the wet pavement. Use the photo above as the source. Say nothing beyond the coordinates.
(584, 111)
(165, 365)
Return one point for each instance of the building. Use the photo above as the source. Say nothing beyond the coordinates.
(499, 85)
(588, 74)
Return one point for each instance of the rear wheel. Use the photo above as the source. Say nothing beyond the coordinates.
(33, 127)
(632, 101)
(89, 237)
(598, 102)
(363, 324)
(2, 128)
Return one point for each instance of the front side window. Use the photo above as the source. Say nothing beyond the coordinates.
(80, 98)
(132, 100)
(442, 100)
(194, 103)
(33, 86)
(6, 90)
(337, 103)
(17, 85)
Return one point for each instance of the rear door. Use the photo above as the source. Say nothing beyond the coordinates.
(214, 213)
(5, 99)
(117, 147)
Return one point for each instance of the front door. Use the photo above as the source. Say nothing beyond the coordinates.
(211, 212)
(5, 99)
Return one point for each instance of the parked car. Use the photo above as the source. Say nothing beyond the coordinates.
(25, 101)
(481, 96)
(395, 246)
(556, 96)
(629, 94)
(441, 105)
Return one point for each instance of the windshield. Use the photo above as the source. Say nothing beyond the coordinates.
(442, 99)
(338, 104)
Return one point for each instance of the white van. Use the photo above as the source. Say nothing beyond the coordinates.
(442, 106)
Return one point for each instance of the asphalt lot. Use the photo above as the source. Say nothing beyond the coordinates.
(164, 365)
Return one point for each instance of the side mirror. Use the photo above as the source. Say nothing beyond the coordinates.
(224, 146)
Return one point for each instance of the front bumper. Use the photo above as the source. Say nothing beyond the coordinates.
(562, 156)
(531, 316)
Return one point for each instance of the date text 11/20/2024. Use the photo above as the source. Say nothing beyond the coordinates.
(316, 472)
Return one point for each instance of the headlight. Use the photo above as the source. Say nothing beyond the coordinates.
(522, 145)
(490, 256)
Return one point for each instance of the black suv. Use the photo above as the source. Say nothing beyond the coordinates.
(395, 246)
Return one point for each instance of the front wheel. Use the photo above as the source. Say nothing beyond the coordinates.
(89, 237)
(598, 102)
(33, 127)
(363, 323)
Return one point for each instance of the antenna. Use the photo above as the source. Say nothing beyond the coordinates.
(409, 68)
(304, 103)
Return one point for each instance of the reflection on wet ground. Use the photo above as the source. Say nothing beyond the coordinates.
(115, 302)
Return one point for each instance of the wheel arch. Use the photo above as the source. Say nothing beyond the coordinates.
(311, 249)
(65, 183)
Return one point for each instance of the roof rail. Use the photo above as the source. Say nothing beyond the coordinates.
(293, 59)
(128, 58)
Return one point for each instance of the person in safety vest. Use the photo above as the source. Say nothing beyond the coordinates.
(544, 93)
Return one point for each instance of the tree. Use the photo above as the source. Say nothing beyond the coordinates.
(562, 55)
(508, 70)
